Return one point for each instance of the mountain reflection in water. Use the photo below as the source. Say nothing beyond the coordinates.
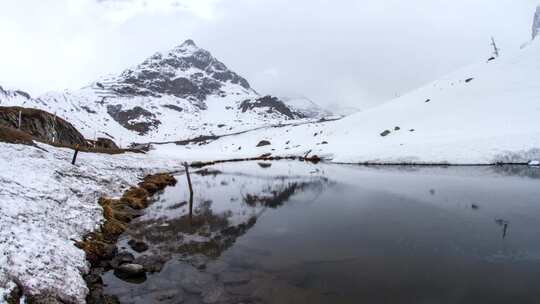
(298, 233)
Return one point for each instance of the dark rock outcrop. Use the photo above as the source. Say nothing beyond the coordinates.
(131, 118)
(273, 105)
(41, 125)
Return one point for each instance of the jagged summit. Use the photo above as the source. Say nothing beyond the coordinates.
(189, 42)
(186, 71)
(536, 23)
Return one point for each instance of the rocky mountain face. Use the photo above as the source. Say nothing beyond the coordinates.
(536, 23)
(179, 94)
(186, 71)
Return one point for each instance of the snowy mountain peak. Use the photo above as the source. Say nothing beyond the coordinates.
(189, 42)
(184, 92)
(536, 23)
(186, 71)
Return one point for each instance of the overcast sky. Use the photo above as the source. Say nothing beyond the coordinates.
(336, 52)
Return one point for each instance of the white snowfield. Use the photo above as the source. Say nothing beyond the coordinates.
(483, 114)
(46, 204)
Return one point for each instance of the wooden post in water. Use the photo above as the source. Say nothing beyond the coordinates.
(75, 155)
(186, 166)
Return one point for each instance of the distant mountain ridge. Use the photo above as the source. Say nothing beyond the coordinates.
(182, 93)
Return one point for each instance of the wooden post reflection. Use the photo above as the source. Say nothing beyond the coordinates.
(186, 166)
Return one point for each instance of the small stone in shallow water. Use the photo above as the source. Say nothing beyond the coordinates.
(121, 258)
(138, 246)
(129, 270)
(151, 264)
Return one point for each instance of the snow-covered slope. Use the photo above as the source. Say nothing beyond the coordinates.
(46, 204)
(485, 113)
(179, 94)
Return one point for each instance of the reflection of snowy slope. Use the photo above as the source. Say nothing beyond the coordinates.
(224, 203)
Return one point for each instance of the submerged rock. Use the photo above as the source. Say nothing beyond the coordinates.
(152, 263)
(138, 246)
(129, 270)
(121, 258)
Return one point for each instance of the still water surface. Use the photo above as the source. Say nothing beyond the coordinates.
(290, 232)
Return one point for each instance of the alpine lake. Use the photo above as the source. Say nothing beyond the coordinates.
(294, 232)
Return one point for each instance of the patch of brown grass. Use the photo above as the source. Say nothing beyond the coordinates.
(156, 182)
(14, 136)
(136, 198)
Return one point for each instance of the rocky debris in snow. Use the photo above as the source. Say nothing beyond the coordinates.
(41, 125)
(397, 128)
(428, 100)
(138, 246)
(263, 143)
(385, 133)
(469, 80)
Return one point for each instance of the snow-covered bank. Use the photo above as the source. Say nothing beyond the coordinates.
(46, 204)
(483, 114)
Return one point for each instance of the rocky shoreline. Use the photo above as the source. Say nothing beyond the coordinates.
(100, 246)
